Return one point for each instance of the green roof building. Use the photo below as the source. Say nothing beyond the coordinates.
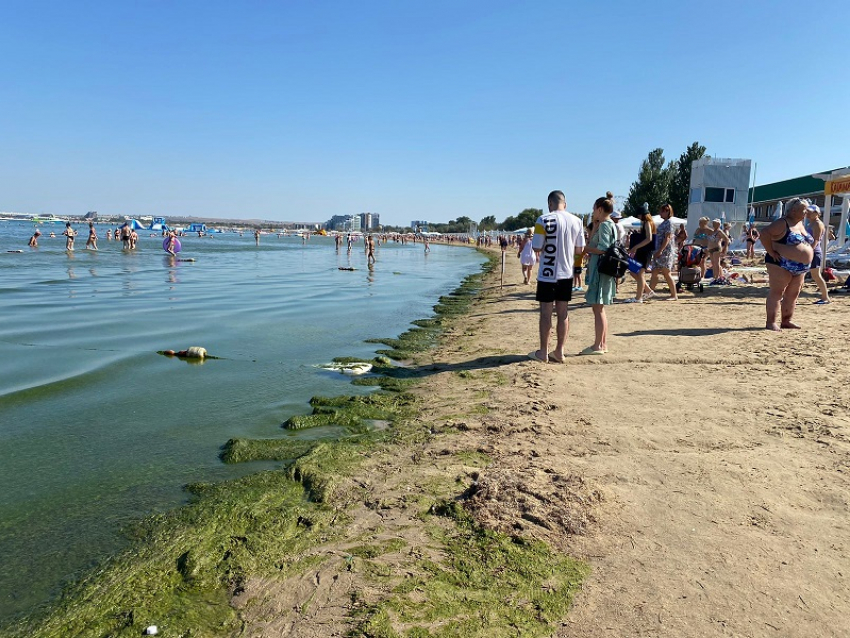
(764, 198)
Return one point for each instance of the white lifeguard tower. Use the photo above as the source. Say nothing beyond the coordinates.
(719, 190)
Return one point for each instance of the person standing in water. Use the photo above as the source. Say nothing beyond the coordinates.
(91, 242)
(171, 244)
(69, 233)
(370, 250)
(257, 237)
(33, 242)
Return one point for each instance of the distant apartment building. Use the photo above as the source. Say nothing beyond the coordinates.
(369, 221)
(344, 223)
(419, 225)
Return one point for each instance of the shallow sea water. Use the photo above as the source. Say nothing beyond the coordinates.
(96, 429)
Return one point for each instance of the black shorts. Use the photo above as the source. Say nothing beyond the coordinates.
(561, 290)
(577, 270)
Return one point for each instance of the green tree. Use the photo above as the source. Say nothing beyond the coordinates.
(525, 219)
(652, 185)
(487, 223)
(680, 185)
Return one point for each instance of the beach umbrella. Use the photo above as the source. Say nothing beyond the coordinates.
(777, 212)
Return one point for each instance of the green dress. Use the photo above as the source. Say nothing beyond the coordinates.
(600, 288)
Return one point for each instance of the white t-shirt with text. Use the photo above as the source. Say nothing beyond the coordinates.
(557, 235)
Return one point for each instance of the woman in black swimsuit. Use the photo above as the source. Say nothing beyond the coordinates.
(752, 238)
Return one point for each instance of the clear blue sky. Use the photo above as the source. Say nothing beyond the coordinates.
(430, 110)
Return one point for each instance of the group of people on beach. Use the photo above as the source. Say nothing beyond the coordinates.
(563, 248)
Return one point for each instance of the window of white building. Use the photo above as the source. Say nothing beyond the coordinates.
(719, 195)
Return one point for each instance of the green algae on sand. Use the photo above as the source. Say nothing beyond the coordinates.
(487, 585)
(184, 566)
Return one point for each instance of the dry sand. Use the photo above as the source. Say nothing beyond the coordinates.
(701, 467)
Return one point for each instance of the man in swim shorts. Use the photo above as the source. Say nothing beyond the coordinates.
(558, 238)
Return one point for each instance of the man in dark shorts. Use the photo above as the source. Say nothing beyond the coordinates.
(558, 238)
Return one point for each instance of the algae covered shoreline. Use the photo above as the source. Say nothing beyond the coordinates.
(194, 570)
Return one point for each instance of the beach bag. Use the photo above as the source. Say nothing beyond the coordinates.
(614, 262)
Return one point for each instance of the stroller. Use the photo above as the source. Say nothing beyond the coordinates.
(689, 270)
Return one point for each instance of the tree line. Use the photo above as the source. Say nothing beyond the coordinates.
(658, 182)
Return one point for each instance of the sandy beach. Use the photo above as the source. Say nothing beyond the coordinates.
(701, 468)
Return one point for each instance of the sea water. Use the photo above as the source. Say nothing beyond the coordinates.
(97, 429)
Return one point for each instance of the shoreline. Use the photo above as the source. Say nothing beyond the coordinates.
(702, 510)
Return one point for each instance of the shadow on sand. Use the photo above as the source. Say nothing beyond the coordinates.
(687, 332)
(481, 363)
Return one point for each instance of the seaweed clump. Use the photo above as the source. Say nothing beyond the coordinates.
(352, 412)
(488, 584)
(244, 450)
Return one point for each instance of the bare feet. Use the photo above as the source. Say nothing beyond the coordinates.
(773, 326)
(537, 357)
(790, 325)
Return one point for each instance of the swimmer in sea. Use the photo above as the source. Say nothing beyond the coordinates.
(33, 242)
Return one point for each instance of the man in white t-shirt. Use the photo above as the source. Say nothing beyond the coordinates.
(558, 238)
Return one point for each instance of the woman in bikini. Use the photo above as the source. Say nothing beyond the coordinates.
(717, 242)
(788, 257)
(701, 240)
(817, 228)
(91, 242)
(752, 236)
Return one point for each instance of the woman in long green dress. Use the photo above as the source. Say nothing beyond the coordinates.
(600, 288)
